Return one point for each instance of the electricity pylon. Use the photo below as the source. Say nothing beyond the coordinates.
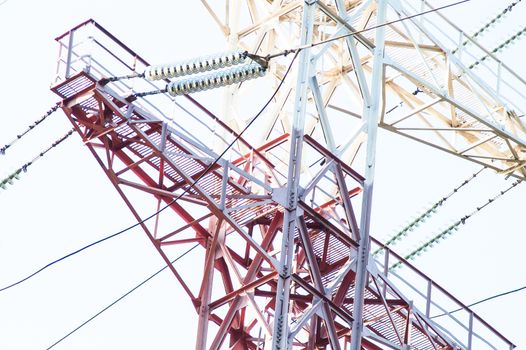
(283, 215)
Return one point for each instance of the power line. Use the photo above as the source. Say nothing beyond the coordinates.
(121, 297)
(29, 128)
(354, 33)
(482, 301)
(16, 174)
(169, 204)
(71, 254)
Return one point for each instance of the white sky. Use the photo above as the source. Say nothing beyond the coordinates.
(65, 201)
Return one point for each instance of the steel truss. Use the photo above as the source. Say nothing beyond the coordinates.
(285, 259)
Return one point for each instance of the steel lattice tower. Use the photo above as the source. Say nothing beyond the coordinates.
(282, 219)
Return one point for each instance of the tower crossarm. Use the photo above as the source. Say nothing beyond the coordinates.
(434, 94)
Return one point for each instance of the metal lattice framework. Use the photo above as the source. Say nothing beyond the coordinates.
(283, 220)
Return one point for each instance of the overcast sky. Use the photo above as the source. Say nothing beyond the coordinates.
(65, 201)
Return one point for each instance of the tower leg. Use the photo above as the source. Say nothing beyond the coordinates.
(280, 339)
(371, 116)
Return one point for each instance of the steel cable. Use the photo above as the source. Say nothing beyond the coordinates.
(121, 297)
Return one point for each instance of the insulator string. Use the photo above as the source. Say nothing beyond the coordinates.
(488, 25)
(512, 39)
(29, 128)
(16, 174)
(453, 227)
(219, 79)
(210, 81)
(195, 66)
(427, 214)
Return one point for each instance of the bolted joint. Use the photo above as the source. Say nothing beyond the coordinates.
(285, 273)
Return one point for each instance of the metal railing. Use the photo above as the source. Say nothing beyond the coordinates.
(440, 307)
(89, 48)
(490, 72)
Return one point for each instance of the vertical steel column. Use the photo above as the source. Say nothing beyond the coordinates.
(470, 331)
(281, 324)
(205, 291)
(230, 116)
(372, 117)
(70, 52)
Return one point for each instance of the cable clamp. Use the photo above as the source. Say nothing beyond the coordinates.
(262, 61)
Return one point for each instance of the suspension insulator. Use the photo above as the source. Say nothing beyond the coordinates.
(218, 79)
(200, 65)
